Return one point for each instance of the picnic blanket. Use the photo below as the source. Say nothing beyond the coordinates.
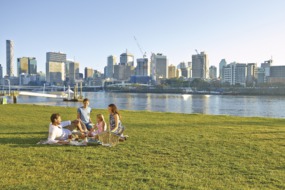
(89, 142)
(107, 138)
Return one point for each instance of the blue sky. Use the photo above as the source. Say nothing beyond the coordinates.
(90, 30)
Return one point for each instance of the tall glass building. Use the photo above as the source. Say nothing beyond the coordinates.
(22, 66)
(9, 57)
(32, 66)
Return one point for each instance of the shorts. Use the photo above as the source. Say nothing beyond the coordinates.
(89, 126)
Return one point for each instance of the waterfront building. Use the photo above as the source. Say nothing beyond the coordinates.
(1, 72)
(213, 72)
(123, 72)
(72, 71)
(241, 74)
(200, 66)
(266, 66)
(23, 66)
(277, 74)
(159, 66)
(228, 74)
(251, 72)
(171, 71)
(26, 65)
(56, 72)
(127, 59)
(181, 65)
(178, 73)
(234, 73)
(143, 67)
(32, 66)
(111, 62)
(55, 67)
(261, 75)
(89, 72)
(222, 64)
(9, 58)
(186, 72)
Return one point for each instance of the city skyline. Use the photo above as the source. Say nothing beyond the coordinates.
(245, 32)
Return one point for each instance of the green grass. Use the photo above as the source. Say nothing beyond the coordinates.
(164, 151)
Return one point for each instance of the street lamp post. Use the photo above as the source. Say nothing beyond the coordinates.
(9, 86)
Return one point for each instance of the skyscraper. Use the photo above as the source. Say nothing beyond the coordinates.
(251, 72)
(72, 71)
(9, 58)
(228, 74)
(213, 72)
(241, 73)
(186, 72)
(200, 66)
(143, 67)
(222, 64)
(127, 59)
(181, 65)
(123, 72)
(159, 66)
(88, 73)
(1, 72)
(32, 66)
(266, 66)
(55, 67)
(171, 71)
(111, 61)
(22, 66)
(235, 73)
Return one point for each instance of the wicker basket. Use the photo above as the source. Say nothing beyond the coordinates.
(108, 138)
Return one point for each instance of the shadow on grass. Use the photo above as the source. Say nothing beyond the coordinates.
(19, 141)
(24, 133)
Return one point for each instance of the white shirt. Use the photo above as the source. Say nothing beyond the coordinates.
(57, 133)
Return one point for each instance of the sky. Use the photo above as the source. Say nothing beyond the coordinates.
(245, 31)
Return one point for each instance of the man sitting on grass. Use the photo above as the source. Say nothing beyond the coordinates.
(59, 131)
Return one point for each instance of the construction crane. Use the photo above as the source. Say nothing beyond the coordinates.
(197, 51)
(140, 48)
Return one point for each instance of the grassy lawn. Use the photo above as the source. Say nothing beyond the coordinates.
(164, 151)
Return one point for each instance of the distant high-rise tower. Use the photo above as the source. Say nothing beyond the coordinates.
(266, 66)
(251, 72)
(143, 67)
(1, 72)
(159, 66)
(23, 66)
(127, 59)
(26, 65)
(32, 66)
(55, 67)
(111, 62)
(235, 73)
(200, 66)
(222, 64)
(213, 72)
(171, 71)
(72, 71)
(9, 58)
(88, 73)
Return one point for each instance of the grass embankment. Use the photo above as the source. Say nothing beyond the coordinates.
(164, 151)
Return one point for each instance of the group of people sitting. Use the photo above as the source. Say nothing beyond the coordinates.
(60, 131)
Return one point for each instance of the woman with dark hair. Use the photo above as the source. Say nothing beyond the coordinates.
(115, 120)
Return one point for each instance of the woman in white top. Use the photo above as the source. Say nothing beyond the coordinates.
(59, 131)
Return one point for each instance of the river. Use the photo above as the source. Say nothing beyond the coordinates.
(247, 106)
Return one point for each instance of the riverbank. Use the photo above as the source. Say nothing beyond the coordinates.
(164, 151)
(257, 91)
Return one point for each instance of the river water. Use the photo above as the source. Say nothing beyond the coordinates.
(260, 106)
